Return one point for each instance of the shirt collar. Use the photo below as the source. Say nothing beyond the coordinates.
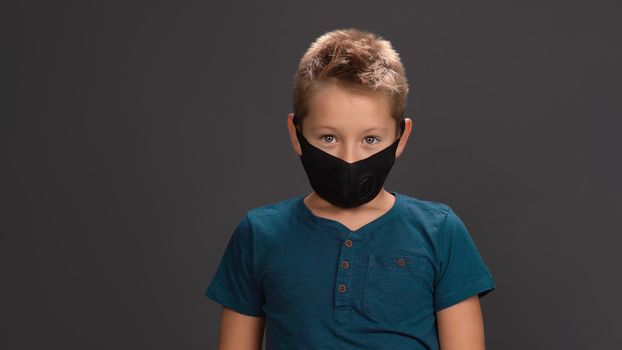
(339, 230)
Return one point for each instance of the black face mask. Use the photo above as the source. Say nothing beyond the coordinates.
(344, 184)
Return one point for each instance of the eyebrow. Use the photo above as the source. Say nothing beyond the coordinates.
(366, 130)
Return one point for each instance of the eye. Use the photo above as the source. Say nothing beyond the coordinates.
(369, 140)
(327, 138)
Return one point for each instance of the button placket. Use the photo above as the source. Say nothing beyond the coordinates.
(343, 281)
(344, 273)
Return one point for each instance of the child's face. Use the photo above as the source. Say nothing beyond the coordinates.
(347, 125)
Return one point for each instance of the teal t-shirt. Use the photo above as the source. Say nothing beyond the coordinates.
(321, 285)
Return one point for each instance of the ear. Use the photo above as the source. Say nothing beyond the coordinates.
(402, 144)
(292, 134)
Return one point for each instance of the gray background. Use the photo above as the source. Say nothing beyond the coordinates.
(136, 135)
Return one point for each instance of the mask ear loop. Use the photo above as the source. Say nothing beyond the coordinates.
(296, 124)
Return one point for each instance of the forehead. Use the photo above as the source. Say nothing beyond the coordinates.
(336, 107)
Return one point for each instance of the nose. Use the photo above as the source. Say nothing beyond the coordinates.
(349, 153)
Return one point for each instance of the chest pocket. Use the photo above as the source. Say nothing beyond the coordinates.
(393, 285)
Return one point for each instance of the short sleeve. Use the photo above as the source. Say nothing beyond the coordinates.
(462, 272)
(234, 284)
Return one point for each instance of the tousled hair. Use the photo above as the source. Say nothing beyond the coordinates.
(358, 61)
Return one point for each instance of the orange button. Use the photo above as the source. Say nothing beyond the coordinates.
(348, 243)
(401, 262)
(342, 288)
(345, 264)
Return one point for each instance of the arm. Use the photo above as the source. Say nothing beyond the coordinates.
(239, 331)
(461, 326)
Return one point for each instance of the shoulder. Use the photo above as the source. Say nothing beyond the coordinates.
(442, 227)
(270, 227)
(428, 214)
(273, 215)
(436, 221)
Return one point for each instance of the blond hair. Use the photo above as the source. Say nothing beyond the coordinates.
(357, 60)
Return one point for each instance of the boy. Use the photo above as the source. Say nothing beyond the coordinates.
(350, 265)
